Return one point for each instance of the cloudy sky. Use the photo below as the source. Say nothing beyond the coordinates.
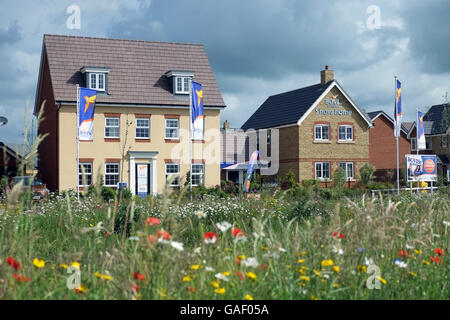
(256, 47)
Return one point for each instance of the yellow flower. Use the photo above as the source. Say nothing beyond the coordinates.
(248, 297)
(102, 276)
(241, 257)
(336, 269)
(264, 248)
(65, 266)
(91, 225)
(251, 275)
(413, 274)
(226, 273)
(317, 273)
(381, 279)
(299, 254)
(196, 267)
(82, 288)
(139, 234)
(228, 249)
(220, 290)
(187, 278)
(75, 264)
(313, 298)
(327, 263)
(301, 260)
(335, 285)
(305, 278)
(426, 262)
(363, 269)
(215, 284)
(38, 263)
(417, 251)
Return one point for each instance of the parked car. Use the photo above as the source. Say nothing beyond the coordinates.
(36, 186)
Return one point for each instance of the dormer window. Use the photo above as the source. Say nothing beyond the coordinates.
(96, 78)
(180, 81)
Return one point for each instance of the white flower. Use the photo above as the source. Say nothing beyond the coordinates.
(133, 238)
(401, 263)
(368, 262)
(447, 223)
(250, 262)
(337, 251)
(200, 214)
(210, 269)
(161, 240)
(222, 277)
(271, 255)
(326, 276)
(197, 250)
(259, 235)
(409, 247)
(240, 239)
(210, 240)
(282, 249)
(177, 245)
(223, 226)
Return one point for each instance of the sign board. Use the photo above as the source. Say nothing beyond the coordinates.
(421, 167)
(122, 185)
(142, 180)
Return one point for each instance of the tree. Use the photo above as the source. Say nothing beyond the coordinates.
(366, 173)
(339, 177)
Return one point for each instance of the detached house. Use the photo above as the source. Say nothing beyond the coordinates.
(141, 121)
(320, 129)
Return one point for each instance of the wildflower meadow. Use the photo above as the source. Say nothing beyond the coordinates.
(274, 246)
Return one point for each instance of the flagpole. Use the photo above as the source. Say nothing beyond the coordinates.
(78, 143)
(396, 133)
(190, 137)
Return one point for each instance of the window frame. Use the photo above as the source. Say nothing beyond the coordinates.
(345, 167)
(444, 145)
(106, 126)
(183, 85)
(428, 143)
(321, 126)
(141, 127)
(95, 85)
(346, 127)
(201, 174)
(112, 174)
(80, 174)
(321, 163)
(172, 173)
(177, 128)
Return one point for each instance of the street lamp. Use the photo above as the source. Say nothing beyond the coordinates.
(3, 121)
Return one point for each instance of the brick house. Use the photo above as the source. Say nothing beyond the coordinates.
(382, 148)
(436, 125)
(141, 121)
(9, 160)
(320, 129)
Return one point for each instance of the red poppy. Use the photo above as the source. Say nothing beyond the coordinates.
(152, 221)
(439, 251)
(210, 237)
(138, 276)
(403, 253)
(13, 263)
(237, 232)
(339, 235)
(191, 289)
(106, 234)
(437, 260)
(240, 275)
(21, 278)
(163, 234)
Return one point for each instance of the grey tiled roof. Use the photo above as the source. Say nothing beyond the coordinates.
(439, 118)
(137, 69)
(285, 108)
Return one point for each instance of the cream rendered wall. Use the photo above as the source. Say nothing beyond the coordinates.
(99, 149)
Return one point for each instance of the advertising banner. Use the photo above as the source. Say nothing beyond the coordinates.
(142, 180)
(421, 167)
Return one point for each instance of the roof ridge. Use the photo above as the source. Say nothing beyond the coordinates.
(317, 84)
(119, 39)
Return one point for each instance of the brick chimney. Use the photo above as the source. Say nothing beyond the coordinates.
(326, 75)
(226, 125)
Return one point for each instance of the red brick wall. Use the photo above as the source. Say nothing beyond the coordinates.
(382, 147)
(48, 149)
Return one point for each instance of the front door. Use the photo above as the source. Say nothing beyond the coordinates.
(142, 179)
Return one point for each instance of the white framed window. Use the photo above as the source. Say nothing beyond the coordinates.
(348, 167)
(427, 143)
(111, 174)
(322, 170)
(198, 174)
(171, 170)
(172, 128)
(345, 133)
(322, 132)
(97, 81)
(142, 128)
(413, 144)
(182, 85)
(112, 127)
(87, 166)
(444, 141)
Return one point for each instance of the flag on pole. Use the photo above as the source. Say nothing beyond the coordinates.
(398, 109)
(86, 110)
(197, 111)
(421, 142)
(251, 165)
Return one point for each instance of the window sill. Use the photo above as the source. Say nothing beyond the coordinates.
(112, 139)
(86, 140)
(198, 141)
(142, 140)
(172, 140)
(321, 141)
(345, 141)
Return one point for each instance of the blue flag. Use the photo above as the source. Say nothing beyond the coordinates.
(197, 111)
(86, 111)
(251, 166)
(398, 109)
(421, 142)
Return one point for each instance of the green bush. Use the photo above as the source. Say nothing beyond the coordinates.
(339, 177)
(229, 187)
(379, 185)
(289, 181)
(125, 193)
(366, 173)
(108, 193)
(121, 217)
